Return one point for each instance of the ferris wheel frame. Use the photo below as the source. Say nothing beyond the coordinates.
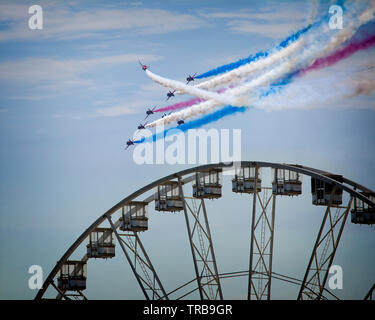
(313, 284)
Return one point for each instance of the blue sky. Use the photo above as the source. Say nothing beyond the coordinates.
(73, 93)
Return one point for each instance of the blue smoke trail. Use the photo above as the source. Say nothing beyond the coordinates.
(213, 117)
(278, 86)
(262, 54)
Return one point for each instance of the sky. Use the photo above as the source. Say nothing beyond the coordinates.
(73, 93)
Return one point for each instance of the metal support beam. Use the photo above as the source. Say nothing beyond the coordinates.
(128, 258)
(203, 247)
(214, 277)
(198, 277)
(271, 244)
(324, 250)
(370, 295)
(61, 293)
(142, 260)
(252, 234)
(261, 244)
(82, 295)
(148, 279)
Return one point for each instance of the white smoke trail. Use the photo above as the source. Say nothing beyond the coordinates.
(308, 56)
(353, 23)
(319, 92)
(236, 97)
(312, 53)
(265, 79)
(245, 70)
(193, 111)
(176, 85)
(236, 75)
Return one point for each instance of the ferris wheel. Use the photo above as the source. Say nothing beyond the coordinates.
(337, 196)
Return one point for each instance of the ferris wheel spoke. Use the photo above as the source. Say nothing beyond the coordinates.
(324, 250)
(200, 241)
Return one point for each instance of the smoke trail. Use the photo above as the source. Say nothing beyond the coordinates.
(297, 97)
(348, 32)
(275, 88)
(339, 55)
(262, 54)
(331, 59)
(180, 105)
(233, 94)
(194, 110)
(363, 18)
(245, 70)
(362, 86)
(287, 68)
(317, 93)
(274, 74)
(176, 85)
(320, 63)
(278, 56)
(209, 118)
(308, 54)
(184, 104)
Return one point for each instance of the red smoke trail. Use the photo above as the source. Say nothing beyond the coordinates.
(180, 105)
(341, 54)
(186, 103)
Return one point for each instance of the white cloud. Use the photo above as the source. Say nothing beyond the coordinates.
(268, 30)
(11, 11)
(65, 23)
(121, 109)
(107, 109)
(227, 15)
(115, 111)
(275, 22)
(134, 104)
(30, 97)
(57, 73)
(151, 87)
(273, 15)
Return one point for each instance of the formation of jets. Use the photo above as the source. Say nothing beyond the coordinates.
(150, 111)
